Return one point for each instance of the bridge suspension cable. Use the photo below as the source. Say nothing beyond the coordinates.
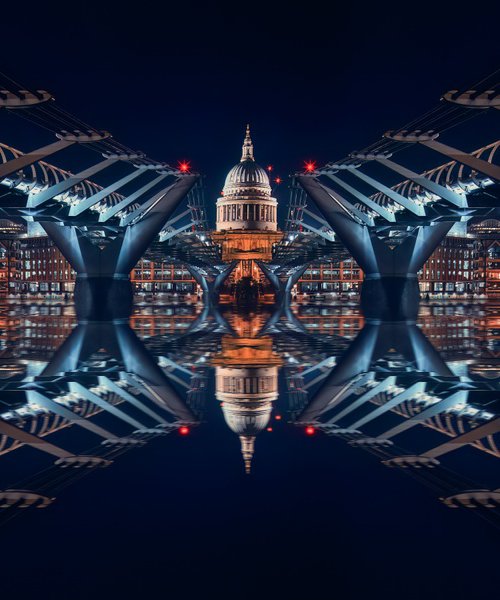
(53, 118)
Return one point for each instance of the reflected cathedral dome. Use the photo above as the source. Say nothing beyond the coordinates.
(246, 383)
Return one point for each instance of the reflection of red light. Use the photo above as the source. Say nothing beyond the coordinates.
(278, 417)
(310, 166)
(184, 430)
(269, 168)
(278, 180)
(310, 430)
(269, 429)
(184, 166)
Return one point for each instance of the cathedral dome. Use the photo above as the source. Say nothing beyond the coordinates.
(247, 176)
(246, 202)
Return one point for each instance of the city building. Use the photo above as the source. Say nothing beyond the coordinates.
(10, 256)
(162, 277)
(33, 264)
(327, 277)
(487, 256)
(450, 268)
(44, 268)
(246, 223)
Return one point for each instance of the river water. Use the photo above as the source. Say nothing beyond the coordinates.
(191, 453)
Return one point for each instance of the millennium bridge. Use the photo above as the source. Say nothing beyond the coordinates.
(346, 207)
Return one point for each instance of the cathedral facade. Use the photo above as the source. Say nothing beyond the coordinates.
(247, 216)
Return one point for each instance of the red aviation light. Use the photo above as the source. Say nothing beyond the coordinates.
(310, 166)
(184, 166)
(183, 430)
(269, 429)
(269, 168)
(278, 417)
(310, 430)
(278, 180)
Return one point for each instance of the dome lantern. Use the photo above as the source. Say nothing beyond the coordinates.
(247, 149)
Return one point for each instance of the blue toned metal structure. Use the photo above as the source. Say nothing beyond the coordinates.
(392, 232)
(100, 368)
(101, 230)
(389, 381)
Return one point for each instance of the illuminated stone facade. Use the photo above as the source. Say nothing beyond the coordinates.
(246, 226)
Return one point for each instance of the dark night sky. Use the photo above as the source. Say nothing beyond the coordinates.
(182, 81)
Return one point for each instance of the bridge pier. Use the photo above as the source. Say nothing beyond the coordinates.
(209, 283)
(390, 298)
(390, 291)
(103, 298)
(283, 285)
(103, 290)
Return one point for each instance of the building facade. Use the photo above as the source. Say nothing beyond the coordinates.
(33, 265)
(450, 269)
(162, 277)
(247, 217)
(487, 256)
(10, 256)
(334, 276)
(44, 269)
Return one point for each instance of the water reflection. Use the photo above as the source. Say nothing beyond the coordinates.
(101, 369)
(412, 395)
(246, 380)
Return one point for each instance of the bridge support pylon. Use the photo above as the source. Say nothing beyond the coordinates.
(103, 290)
(283, 285)
(210, 284)
(390, 290)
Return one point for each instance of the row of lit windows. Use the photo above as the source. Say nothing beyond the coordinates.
(51, 275)
(246, 212)
(247, 385)
(449, 262)
(446, 274)
(332, 274)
